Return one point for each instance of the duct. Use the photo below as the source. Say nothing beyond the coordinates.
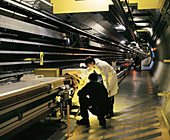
(97, 25)
(131, 16)
(11, 12)
(120, 19)
(15, 63)
(50, 18)
(13, 24)
(18, 52)
(123, 18)
(30, 45)
(52, 53)
(55, 61)
(77, 19)
(24, 7)
(80, 60)
(57, 46)
(58, 22)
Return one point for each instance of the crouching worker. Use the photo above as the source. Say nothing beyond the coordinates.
(93, 97)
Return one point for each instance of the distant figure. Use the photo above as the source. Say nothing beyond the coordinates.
(109, 78)
(93, 97)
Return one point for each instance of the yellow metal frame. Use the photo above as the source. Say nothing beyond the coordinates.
(166, 60)
(47, 72)
(41, 59)
(31, 59)
(167, 95)
(73, 6)
(148, 4)
(161, 4)
(145, 30)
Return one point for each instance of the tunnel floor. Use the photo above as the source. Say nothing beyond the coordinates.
(137, 117)
(137, 114)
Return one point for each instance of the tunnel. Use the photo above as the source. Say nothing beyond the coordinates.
(43, 51)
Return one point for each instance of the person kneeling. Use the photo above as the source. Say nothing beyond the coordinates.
(93, 97)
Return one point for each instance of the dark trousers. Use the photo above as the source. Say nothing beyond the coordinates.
(111, 103)
(86, 104)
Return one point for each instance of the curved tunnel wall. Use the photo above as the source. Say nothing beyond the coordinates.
(161, 70)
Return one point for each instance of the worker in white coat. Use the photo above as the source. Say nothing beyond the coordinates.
(109, 77)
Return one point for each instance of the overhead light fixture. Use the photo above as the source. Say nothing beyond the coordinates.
(120, 27)
(142, 24)
(158, 42)
(123, 42)
(135, 32)
(113, 43)
(137, 45)
(137, 19)
(150, 30)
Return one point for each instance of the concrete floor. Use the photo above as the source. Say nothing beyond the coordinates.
(137, 114)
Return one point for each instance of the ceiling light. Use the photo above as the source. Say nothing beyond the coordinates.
(142, 24)
(158, 42)
(137, 45)
(120, 27)
(123, 42)
(137, 19)
(150, 30)
(135, 32)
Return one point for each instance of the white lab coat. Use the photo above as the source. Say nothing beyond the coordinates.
(108, 74)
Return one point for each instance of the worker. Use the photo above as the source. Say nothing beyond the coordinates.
(93, 97)
(109, 77)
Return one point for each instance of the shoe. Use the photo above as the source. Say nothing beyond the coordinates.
(110, 115)
(83, 122)
(102, 121)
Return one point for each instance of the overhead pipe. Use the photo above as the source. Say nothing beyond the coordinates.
(159, 27)
(50, 17)
(103, 50)
(130, 14)
(69, 27)
(118, 4)
(60, 23)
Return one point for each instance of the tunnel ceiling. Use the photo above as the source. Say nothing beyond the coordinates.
(111, 25)
(123, 24)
